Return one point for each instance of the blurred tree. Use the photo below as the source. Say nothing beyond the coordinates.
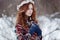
(43, 7)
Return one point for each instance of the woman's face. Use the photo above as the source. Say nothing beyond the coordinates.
(30, 10)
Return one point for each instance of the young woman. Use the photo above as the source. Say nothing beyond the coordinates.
(26, 23)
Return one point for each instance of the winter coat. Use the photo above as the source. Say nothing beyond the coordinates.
(21, 31)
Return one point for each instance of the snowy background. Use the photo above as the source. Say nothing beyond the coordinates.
(48, 15)
(49, 25)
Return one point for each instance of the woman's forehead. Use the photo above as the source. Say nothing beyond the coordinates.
(30, 6)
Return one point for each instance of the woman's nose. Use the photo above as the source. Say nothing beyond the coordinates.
(30, 10)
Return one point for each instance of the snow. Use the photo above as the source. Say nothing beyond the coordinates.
(50, 28)
(6, 31)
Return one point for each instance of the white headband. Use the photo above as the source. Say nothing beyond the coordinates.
(24, 2)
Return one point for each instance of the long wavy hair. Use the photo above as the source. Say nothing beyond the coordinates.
(22, 18)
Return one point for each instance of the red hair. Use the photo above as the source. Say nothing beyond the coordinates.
(21, 17)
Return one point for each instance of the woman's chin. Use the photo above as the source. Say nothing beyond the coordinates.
(29, 15)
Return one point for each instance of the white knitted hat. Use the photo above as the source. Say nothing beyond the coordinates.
(24, 2)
